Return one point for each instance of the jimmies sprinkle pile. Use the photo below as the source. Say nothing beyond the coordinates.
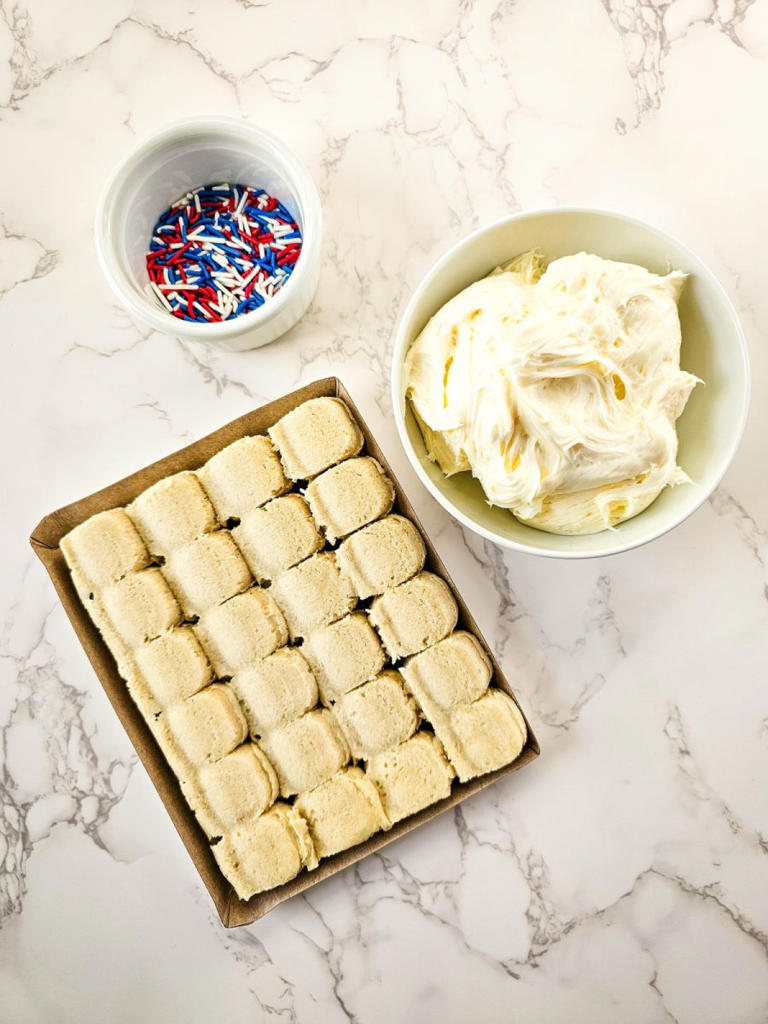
(221, 251)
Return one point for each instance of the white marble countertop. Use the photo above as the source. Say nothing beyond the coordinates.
(624, 875)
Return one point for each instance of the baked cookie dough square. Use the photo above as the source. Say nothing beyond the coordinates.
(411, 776)
(105, 548)
(349, 496)
(275, 691)
(278, 536)
(342, 812)
(343, 655)
(172, 667)
(122, 652)
(240, 786)
(454, 671)
(91, 598)
(265, 852)
(312, 594)
(306, 752)
(140, 606)
(207, 572)
(243, 476)
(377, 716)
(173, 512)
(414, 615)
(202, 728)
(314, 436)
(483, 736)
(382, 556)
(242, 631)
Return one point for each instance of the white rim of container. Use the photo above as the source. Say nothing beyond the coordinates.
(414, 459)
(142, 307)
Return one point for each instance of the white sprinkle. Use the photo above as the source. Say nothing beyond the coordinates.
(247, 280)
(160, 296)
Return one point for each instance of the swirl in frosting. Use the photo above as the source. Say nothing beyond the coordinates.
(557, 388)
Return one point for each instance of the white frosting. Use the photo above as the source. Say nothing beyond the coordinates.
(558, 390)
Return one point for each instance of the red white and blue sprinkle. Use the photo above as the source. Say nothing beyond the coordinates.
(221, 251)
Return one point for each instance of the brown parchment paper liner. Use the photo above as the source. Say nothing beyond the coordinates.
(45, 541)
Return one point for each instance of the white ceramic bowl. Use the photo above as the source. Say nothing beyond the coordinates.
(185, 155)
(713, 348)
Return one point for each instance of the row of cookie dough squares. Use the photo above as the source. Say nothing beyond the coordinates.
(175, 512)
(187, 507)
(203, 575)
(178, 524)
(342, 812)
(261, 852)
